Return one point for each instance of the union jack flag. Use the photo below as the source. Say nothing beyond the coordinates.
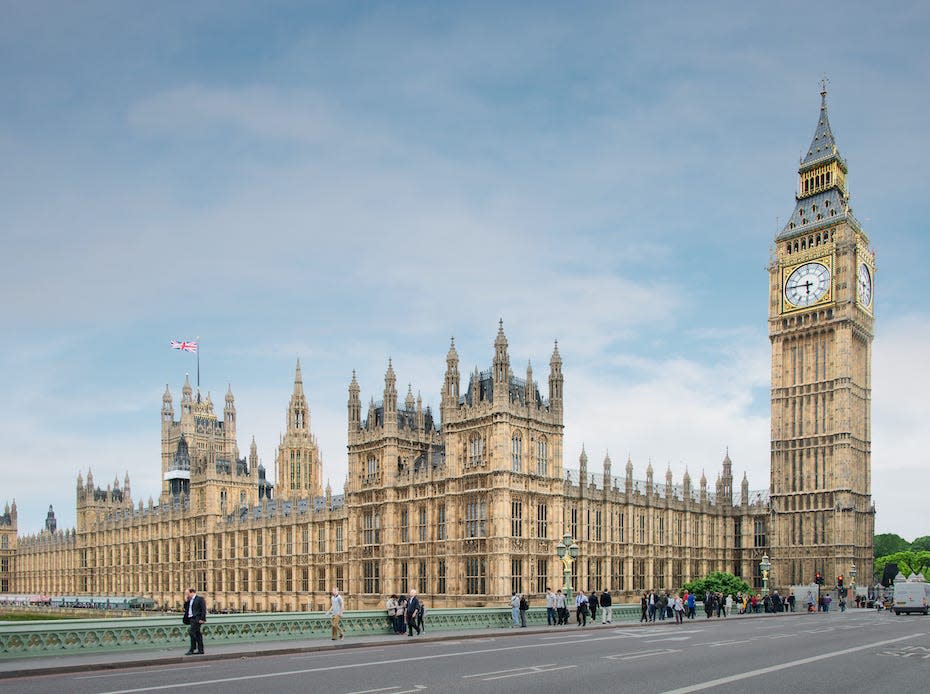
(184, 346)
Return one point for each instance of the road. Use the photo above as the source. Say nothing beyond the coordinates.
(859, 651)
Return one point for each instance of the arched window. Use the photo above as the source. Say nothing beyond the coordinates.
(475, 450)
(372, 466)
(516, 453)
(542, 457)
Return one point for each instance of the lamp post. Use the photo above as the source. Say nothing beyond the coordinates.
(568, 552)
(765, 565)
(852, 580)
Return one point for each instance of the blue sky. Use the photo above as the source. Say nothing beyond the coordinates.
(349, 182)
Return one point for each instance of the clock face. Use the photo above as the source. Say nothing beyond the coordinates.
(807, 284)
(864, 284)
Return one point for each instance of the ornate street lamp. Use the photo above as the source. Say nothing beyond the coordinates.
(765, 565)
(568, 553)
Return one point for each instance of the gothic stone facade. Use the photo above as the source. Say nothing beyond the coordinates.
(470, 507)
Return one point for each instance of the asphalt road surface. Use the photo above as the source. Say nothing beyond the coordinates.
(859, 651)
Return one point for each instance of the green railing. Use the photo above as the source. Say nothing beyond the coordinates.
(18, 639)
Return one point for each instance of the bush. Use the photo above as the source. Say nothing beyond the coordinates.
(717, 582)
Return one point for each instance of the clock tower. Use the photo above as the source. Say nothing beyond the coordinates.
(821, 321)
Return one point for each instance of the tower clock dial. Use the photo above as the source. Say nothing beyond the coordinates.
(864, 285)
(807, 284)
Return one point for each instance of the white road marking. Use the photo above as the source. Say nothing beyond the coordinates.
(670, 638)
(782, 666)
(117, 674)
(327, 654)
(519, 672)
(642, 654)
(416, 688)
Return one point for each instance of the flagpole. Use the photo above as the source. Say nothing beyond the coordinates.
(198, 362)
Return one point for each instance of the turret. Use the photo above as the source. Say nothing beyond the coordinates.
(583, 467)
(409, 401)
(501, 365)
(354, 405)
(629, 475)
(555, 380)
(607, 472)
(668, 482)
(745, 490)
(450, 388)
(390, 398)
(167, 407)
(529, 395)
(187, 397)
(51, 523)
(725, 488)
(229, 413)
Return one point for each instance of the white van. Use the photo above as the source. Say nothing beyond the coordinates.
(912, 595)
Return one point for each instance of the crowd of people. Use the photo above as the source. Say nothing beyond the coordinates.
(658, 605)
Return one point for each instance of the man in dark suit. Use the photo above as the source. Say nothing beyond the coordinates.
(195, 614)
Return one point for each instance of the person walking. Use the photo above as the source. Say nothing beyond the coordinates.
(195, 614)
(607, 616)
(644, 607)
(691, 601)
(413, 613)
(581, 609)
(524, 606)
(593, 603)
(679, 608)
(335, 614)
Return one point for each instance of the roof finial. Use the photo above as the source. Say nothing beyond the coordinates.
(823, 90)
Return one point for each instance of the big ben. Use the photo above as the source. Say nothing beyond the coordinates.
(821, 325)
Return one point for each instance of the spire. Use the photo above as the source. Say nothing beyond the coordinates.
(501, 360)
(409, 401)
(355, 403)
(822, 198)
(450, 390)
(298, 411)
(556, 381)
(823, 145)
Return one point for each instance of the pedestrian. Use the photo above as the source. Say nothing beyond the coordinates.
(515, 609)
(421, 616)
(581, 609)
(335, 614)
(524, 606)
(691, 600)
(679, 608)
(195, 614)
(391, 607)
(413, 613)
(561, 608)
(652, 606)
(607, 616)
(593, 603)
(551, 618)
(644, 608)
(399, 613)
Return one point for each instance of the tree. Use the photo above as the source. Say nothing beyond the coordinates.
(889, 543)
(908, 562)
(921, 544)
(717, 582)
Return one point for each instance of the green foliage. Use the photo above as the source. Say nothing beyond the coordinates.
(921, 544)
(908, 562)
(718, 582)
(889, 543)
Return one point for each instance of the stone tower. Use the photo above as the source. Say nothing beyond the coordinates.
(298, 469)
(7, 546)
(821, 327)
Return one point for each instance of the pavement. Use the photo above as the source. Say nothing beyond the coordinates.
(11, 667)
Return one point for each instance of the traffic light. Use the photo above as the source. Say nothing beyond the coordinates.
(839, 581)
(818, 578)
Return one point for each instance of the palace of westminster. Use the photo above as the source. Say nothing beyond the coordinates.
(469, 508)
